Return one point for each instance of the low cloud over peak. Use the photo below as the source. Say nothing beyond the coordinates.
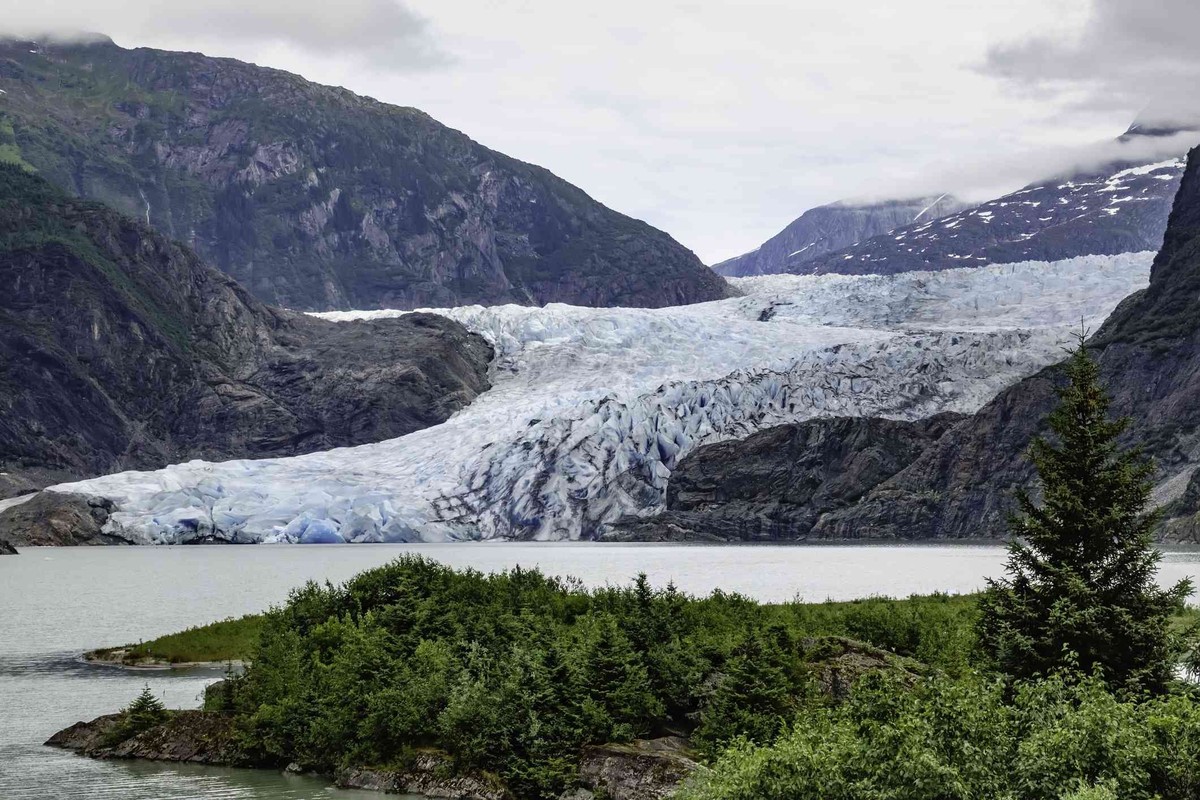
(381, 32)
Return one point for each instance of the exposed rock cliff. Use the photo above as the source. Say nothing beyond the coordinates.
(316, 198)
(1149, 353)
(50, 519)
(776, 484)
(200, 737)
(827, 229)
(119, 349)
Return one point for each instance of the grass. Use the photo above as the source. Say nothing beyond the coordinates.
(227, 640)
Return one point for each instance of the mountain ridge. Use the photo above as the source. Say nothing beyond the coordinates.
(316, 198)
(831, 228)
(1119, 207)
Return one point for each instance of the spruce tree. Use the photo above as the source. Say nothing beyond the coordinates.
(1080, 589)
(753, 699)
(144, 712)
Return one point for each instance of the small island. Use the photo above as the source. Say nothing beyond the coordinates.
(516, 684)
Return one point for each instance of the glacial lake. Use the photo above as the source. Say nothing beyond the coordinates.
(57, 602)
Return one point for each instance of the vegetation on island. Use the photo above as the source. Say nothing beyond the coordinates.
(1062, 681)
(227, 640)
(513, 673)
(143, 713)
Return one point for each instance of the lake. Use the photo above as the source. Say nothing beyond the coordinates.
(56, 603)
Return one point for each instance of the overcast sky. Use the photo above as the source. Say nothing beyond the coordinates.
(719, 120)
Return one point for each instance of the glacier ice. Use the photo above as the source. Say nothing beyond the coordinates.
(591, 408)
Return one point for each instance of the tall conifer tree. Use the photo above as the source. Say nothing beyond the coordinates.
(1080, 588)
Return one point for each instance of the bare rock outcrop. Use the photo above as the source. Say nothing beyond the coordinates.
(120, 349)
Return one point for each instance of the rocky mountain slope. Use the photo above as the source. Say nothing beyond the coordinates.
(120, 349)
(834, 227)
(1149, 352)
(592, 411)
(1120, 208)
(775, 484)
(316, 198)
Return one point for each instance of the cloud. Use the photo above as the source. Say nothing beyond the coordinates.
(383, 33)
(1127, 53)
(988, 177)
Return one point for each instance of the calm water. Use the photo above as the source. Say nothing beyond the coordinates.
(57, 602)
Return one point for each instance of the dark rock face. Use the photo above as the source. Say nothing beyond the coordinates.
(1121, 208)
(828, 229)
(119, 349)
(777, 484)
(7, 549)
(53, 519)
(198, 737)
(316, 198)
(1149, 354)
(641, 770)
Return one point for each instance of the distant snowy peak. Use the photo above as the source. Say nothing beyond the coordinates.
(832, 227)
(1122, 209)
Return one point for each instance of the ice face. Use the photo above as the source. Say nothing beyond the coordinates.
(591, 409)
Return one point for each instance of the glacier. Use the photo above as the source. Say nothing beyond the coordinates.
(591, 408)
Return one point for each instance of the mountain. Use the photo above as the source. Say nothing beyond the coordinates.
(1149, 354)
(316, 198)
(833, 227)
(775, 484)
(120, 349)
(1119, 208)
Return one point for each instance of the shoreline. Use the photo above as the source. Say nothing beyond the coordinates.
(649, 769)
(115, 657)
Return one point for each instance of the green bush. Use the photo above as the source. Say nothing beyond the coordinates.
(943, 740)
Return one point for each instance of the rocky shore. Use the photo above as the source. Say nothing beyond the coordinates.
(55, 519)
(639, 770)
(198, 737)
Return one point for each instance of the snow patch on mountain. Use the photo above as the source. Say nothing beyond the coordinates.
(1122, 209)
(591, 408)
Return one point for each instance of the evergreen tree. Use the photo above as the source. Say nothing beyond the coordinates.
(754, 697)
(1080, 589)
(622, 697)
(144, 712)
